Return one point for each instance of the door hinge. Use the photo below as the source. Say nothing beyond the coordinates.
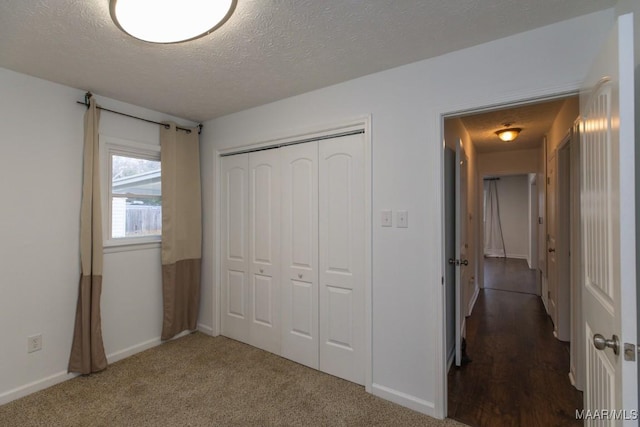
(442, 281)
(630, 351)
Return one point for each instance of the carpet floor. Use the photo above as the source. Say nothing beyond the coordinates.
(198, 380)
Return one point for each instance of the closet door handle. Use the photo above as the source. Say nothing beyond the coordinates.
(261, 271)
(299, 275)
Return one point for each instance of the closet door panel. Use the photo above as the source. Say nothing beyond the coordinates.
(235, 253)
(341, 215)
(264, 250)
(300, 253)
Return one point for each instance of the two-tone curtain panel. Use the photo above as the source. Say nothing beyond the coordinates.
(181, 229)
(87, 350)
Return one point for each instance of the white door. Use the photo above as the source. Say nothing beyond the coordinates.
(299, 171)
(461, 261)
(264, 250)
(342, 239)
(608, 226)
(234, 290)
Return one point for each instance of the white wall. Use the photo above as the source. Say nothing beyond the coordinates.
(562, 124)
(40, 183)
(406, 104)
(513, 195)
(511, 162)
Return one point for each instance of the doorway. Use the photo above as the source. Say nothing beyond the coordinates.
(508, 332)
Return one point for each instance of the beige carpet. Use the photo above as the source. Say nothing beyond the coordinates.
(198, 380)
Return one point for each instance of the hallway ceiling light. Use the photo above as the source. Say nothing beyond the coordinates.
(170, 21)
(508, 134)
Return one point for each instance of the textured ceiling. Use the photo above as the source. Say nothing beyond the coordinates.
(268, 50)
(534, 119)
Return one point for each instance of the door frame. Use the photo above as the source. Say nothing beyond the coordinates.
(289, 136)
(563, 236)
(571, 89)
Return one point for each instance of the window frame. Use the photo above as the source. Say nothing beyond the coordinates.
(110, 146)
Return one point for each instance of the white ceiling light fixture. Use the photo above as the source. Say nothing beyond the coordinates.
(170, 21)
(508, 134)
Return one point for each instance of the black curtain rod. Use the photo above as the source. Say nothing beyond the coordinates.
(491, 179)
(166, 126)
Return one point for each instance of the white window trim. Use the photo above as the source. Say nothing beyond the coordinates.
(111, 145)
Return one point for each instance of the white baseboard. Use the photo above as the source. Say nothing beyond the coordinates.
(205, 329)
(35, 386)
(572, 378)
(509, 255)
(463, 328)
(472, 303)
(404, 399)
(451, 358)
(137, 348)
(130, 351)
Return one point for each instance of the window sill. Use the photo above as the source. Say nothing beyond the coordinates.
(131, 245)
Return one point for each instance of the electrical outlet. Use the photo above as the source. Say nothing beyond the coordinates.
(385, 218)
(34, 343)
(402, 219)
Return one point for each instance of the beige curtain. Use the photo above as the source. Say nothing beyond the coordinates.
(181, 229)
(87, 350)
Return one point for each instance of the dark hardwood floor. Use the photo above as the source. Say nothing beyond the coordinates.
(509, 275)
(519, 372)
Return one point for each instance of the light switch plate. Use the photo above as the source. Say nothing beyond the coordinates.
(402, 219)
(386, 219)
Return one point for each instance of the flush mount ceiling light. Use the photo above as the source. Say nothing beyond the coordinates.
(170, 21)
(508, 134)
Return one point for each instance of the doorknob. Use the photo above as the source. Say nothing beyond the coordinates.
(464, 262)
(452, 261)
(552, 250)
(601, 343)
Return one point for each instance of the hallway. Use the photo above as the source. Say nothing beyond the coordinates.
(519, 372)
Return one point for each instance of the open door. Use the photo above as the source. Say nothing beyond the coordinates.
(460, 261)
(608, 232)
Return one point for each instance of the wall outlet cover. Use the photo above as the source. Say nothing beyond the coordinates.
(403, 219)
(34, 343)
(386, 218)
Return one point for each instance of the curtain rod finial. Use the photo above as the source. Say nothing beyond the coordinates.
(87, 97)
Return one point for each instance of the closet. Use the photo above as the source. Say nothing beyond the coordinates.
(293, 252)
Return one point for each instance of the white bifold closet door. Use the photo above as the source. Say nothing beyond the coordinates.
(264, 250)
(250, 294)
(300, 295)
(293, 253)
(234, 247)
(342, 251)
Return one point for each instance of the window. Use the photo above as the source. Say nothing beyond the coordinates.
(134, 193)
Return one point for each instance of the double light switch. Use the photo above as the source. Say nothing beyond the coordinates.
(402, 219)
